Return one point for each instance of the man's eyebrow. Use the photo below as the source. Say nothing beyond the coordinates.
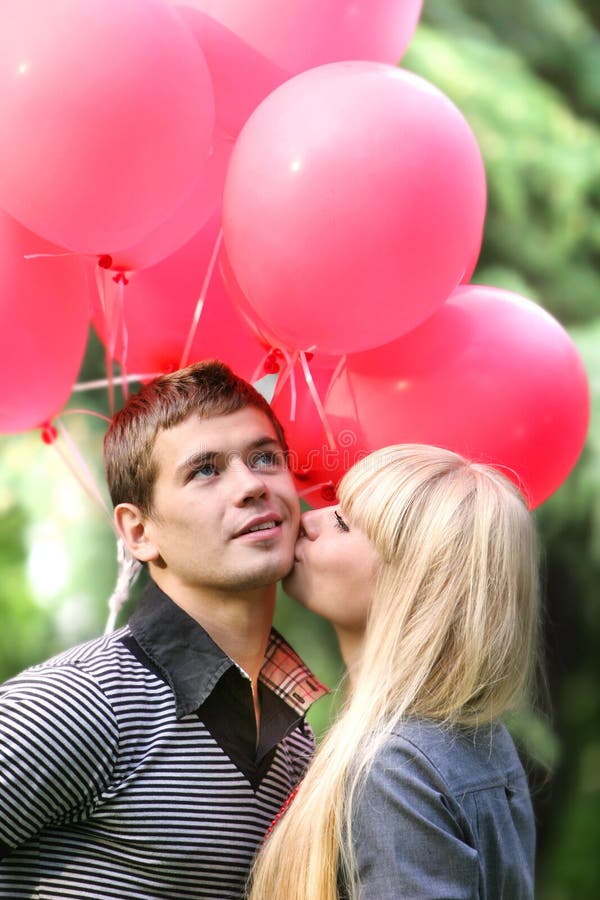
(265, 441)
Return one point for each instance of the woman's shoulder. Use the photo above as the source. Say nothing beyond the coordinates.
(463, 759)
(445, 812)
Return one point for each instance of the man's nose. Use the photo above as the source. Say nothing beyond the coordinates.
(248, 483)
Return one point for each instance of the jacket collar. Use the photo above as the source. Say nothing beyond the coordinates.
(188, 659)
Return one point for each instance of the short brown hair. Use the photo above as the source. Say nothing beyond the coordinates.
(207, 388)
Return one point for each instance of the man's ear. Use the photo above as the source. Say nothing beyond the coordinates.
(132, 525)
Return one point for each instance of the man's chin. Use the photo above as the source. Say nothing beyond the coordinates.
(269, 575)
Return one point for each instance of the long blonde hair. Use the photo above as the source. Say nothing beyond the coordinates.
(452, 636)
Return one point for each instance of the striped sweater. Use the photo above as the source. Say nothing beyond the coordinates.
(130, 767)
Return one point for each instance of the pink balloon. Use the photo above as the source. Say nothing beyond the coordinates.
(316, 466)
(44, 320)
(301, 34)
(354, 199)
(189, 217)
(241, 76)
(490, 375)
(107, 118)
(159, 305)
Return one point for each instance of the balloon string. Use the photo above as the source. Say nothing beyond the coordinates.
(78, 467)
(338, 369)
(290, 360)
(110, 336)
(293, 393)
(47, 255)
(317, 400)
(337, 373)
(200, 304)
(112, 306)
(112, 300)
(88, 412)
(103, 382)
(128, 568)
(121, 282)
(288, 373)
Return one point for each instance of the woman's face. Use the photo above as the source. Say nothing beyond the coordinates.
(335, 567)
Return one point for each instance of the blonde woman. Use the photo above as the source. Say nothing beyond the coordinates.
(428, 571)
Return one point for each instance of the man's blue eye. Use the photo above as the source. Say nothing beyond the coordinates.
(206, 470)
(266, 459)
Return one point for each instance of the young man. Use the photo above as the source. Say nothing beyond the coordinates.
(149, 763)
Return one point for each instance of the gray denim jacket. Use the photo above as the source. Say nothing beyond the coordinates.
(445, 814)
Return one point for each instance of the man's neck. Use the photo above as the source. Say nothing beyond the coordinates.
(238, 622)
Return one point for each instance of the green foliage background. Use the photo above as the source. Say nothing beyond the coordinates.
(526, 74)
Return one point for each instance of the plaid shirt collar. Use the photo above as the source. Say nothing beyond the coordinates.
(187, 658)
(288, 677)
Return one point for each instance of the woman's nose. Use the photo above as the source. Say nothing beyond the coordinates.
(309, 524)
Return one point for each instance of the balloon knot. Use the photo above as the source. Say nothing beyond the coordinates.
(121, 276)
(105, 261)
(49, 433)
(273, 362)
(328, 492)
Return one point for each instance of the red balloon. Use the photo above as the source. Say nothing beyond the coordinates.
(353, 205)
(491, 375)
(158, 309)
(107, 118)
(187, 219)
(44, 321)
(241, 76)
(301, 34)
(316, 466)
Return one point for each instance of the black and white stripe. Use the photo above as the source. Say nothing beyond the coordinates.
(106, 794)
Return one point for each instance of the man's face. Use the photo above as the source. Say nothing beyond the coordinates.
(225, 512)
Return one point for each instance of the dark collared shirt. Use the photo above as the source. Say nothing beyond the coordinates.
(130, 766)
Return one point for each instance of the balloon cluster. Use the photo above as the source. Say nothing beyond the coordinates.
(258, 181)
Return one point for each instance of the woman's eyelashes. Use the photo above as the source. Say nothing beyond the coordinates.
(339, 522)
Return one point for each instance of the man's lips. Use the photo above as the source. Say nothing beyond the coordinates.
(264, 524)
